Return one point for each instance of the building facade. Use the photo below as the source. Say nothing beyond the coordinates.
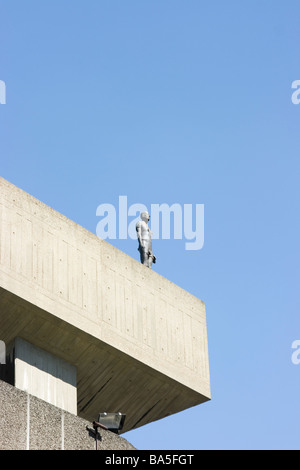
(88, 329)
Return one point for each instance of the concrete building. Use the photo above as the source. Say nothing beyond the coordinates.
(88, 329)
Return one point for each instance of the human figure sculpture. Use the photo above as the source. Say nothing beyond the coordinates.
(144, 236)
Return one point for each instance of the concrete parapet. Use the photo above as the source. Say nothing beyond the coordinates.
(29, 423)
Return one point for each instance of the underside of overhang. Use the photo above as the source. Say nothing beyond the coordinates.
(107, 379)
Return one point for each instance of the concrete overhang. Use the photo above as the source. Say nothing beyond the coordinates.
(138, 341)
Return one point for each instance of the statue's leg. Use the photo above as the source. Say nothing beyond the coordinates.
(144, 256)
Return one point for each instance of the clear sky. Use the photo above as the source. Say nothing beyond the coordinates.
(184, 102)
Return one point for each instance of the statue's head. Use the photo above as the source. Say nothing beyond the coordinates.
(145, 216)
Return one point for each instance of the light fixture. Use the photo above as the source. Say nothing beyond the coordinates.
(114, 422)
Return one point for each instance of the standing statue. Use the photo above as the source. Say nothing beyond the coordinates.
(144, 235)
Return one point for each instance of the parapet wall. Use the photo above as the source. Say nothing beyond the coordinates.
(28, 423)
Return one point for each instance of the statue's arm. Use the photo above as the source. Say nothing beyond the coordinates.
(139, 233)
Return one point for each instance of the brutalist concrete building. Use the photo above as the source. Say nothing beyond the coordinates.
(87, 329)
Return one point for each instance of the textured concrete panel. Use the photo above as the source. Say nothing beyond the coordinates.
(28, 423)
(138, 341)
(13, 417)
(45, 427)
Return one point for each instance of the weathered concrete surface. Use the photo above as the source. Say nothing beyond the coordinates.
(138, 342)
(42, 375)
(29, 423)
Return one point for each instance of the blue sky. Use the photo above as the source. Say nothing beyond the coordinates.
(177, 102)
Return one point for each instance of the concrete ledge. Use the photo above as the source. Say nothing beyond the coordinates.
(138, 341)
